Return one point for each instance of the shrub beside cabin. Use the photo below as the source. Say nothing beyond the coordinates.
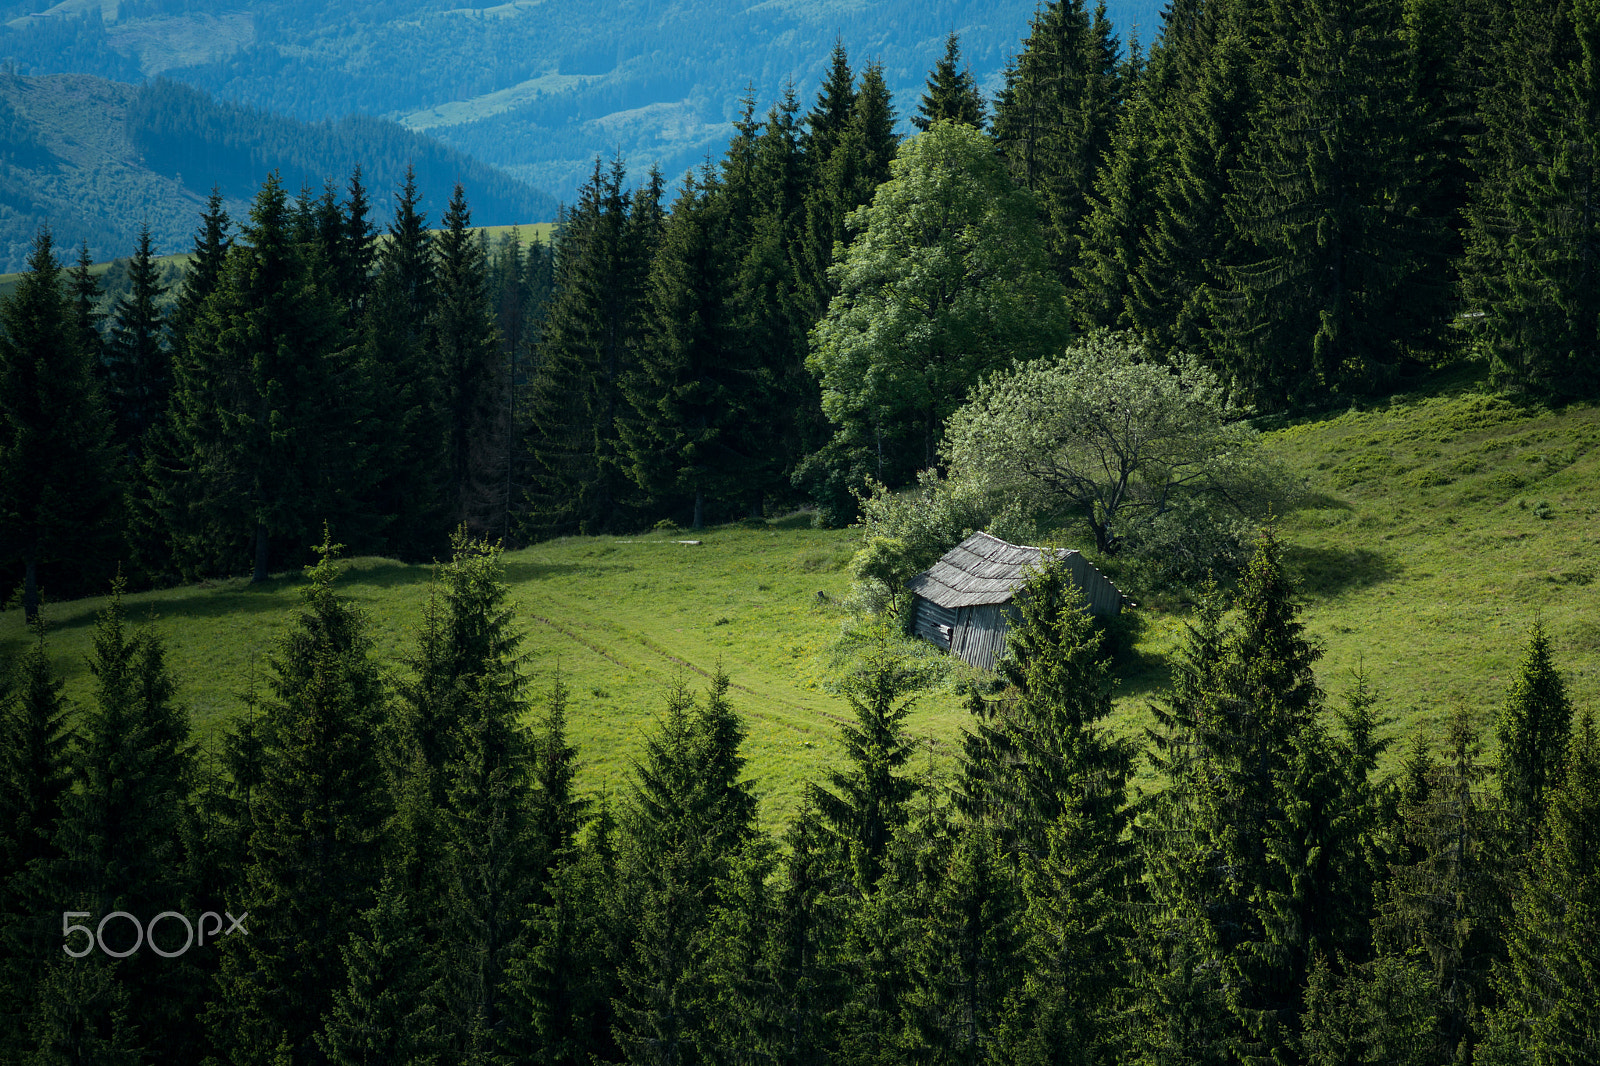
(962, 603)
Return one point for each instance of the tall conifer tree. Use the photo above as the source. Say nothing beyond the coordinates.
(579, 480)
(867, 801)
(1450, 901)
(319, 813)
(59, 491)
(1551, 984)
(1532, 729)
(1054, 119)
(472, 378)
(1202, 77)
(36, 781)
(409, 476)
(84, 293)
(690, 814)
(138, 364)
(1534, 235)
(952, 93)
(265, 404)
(123, 826)
(1341, 275)
(486, 821)
(689, 438)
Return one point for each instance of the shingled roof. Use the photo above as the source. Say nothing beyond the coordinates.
(980, 570)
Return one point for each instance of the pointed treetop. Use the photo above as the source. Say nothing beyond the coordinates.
(836, 102)
(952, 94)
(1533, 728)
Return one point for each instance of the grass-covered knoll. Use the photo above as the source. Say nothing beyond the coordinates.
(1438, 527)
(1441, 525)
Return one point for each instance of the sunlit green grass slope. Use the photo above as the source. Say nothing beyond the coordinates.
(1438, 527)
(621, 618)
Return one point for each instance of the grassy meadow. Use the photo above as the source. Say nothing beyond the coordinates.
(1438, 526)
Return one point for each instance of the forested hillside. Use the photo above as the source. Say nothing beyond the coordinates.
(97, 159)
(537, 88)
(1160, 306)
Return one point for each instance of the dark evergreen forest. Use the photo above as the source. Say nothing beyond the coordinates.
(367, 872)
(1318, 199)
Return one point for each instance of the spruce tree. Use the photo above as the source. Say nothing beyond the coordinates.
(36, 781)
(357, 245)
(1180, 1012)
(867, 802)
(123, 826)
(84, 293)
(1549, 984)
(831, 160)
(486, 821)
(690, 814)
(319, 813)
(1120, 214)
(952, 93)
(266, 405)
(689, 438)
(409, 478)
(1075, 936)
(562, 988)
(472, 379)
(558, 811)
(1201, 80)
(1040, 749)
(830, 116)
(1379, 1012)
(138, 366)
(768, 315)
(165, 501)
(59, 492)
(1341, 274)
(1532, 729)
(210, 251)
(1249, 769)
(1451, 900)
(1054, 118)
(1042, 773)
(798, 979)
(966, 959)
(384, 1013)
(579, 480)
(83, 1016)
(1532, 242)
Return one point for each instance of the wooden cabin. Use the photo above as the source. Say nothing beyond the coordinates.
(963, 602)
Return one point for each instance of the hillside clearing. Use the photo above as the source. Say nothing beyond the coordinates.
(1439, 527)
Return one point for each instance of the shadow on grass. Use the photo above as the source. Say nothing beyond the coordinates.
(1139, 673)
(519, 572)
(798, 520)
(1330, 571)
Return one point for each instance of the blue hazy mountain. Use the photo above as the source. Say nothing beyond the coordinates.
(538, 87)
(94, 159)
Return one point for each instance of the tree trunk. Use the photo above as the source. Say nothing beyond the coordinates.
(30, 591)
(699, 507)
(261, 553)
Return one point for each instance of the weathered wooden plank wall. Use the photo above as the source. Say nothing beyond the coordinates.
(980, 634)
(927, 619)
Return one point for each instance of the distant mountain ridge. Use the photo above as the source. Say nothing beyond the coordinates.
(95, 158)
(537, 87)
